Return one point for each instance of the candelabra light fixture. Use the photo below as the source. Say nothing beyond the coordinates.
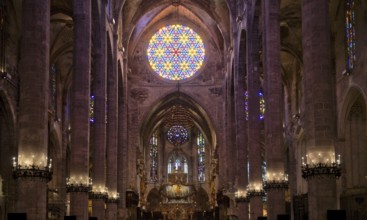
(255, 190)
(98, 192)
(32, 168)
(241, 196)
(276, 181)
(113, 197)
(321, 165)
(79, 184)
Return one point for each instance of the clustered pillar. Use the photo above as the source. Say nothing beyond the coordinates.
(319, 121)
(112, 128)
(241, 131)
(31, 197)
(255, 191)
(79, 183)
(98, 118)
(276, 179)
(122, 141)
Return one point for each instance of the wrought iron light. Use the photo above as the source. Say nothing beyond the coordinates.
(321, 165)
(275, 185)
(255, 193)
(32, 170)
(80, 185)
(321, 169)
(255, 190)
(275, 181)
(241, 197)
(115, 198)
(99, 193)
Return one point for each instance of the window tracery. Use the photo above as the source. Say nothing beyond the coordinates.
(350, 34)
(177, 163)
(177, 135)
(201, 157)
(153, 156)
(176, 52)
(91, 109)
(262, 105)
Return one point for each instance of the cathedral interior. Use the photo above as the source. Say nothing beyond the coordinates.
(183, 109)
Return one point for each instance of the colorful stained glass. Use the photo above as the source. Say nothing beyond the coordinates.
(177, 162)
(176, 52)
(350, 33)
(91, 109)
(262, 105)
(201, 157)
(109, 8)
(153, 155)
(177, 135)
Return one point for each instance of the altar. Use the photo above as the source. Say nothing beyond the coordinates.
(177, 195)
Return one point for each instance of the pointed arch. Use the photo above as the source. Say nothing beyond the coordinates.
(153, 199)
(350, 98)
(156, 116)
(202, 199)
(182, 158)
(354, 149)
(8, 149)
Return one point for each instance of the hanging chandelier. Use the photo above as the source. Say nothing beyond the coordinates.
(178, 115)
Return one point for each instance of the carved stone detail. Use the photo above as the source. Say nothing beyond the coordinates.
(356, 111)
(139, 94)
(217, 91)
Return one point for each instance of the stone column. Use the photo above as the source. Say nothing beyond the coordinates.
(224, 144)
(112, 128)
(230, 143)
(79, 118)
(254, 122)
(31, 196)
(241, 126)
(98, 125)
(275, 184)
(319, 115)
(122, 141)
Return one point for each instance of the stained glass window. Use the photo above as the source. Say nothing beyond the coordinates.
(262, 105)
(109, 8)
(91, 109)
(177, 163)
(176, 52)
(153, 155)
(201, 157)
(177, 135)
(350, 33)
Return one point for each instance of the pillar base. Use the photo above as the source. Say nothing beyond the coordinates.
(31, 198)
